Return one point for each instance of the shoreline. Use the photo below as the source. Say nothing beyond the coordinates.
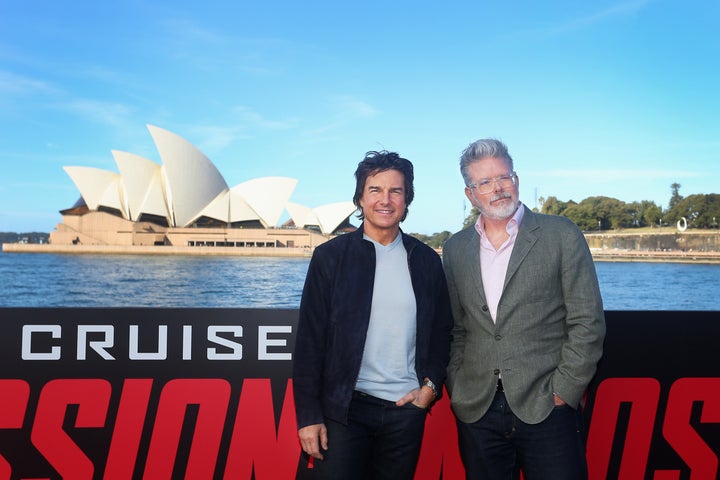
(671, 256)
(156, 250)
(599, 255)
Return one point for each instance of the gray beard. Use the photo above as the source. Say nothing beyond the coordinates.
(500, 213)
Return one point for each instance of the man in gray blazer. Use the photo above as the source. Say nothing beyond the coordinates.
(529, 329)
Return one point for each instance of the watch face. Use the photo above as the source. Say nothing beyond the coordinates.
(429, 383)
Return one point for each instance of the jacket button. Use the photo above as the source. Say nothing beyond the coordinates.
(498, 337)
(485, 308)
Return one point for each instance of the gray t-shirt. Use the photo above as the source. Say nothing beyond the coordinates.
(388, 364)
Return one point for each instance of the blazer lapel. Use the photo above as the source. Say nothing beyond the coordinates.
(473, 266)
(524, 242)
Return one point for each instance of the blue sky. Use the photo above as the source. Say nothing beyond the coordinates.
(613, 98)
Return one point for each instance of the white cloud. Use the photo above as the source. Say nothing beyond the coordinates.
(346, 109)
(255, 119)
(247, 121)
(580, 22)
(216, 138)
(18, 84)
(620, 9)
(108, 113)
(354, 107)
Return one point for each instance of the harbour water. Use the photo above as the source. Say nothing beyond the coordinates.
(52, 280)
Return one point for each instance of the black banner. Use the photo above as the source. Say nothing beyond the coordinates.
(205, 394)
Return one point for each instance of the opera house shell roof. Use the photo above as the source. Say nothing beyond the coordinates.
(187, 189)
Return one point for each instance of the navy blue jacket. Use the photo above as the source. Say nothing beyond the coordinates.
(334, 318)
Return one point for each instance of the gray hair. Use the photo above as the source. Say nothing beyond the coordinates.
(483, 148)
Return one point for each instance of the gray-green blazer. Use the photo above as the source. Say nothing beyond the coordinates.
(550, 321)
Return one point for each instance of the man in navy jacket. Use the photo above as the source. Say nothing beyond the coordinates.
(372, 345)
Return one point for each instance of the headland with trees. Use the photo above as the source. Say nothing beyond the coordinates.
(687, 227)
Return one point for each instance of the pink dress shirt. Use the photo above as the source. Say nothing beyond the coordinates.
(494, 263)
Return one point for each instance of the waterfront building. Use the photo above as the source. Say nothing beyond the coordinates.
(185, 201)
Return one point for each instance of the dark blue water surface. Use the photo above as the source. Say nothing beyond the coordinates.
(49, 280)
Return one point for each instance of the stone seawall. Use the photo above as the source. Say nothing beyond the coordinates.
(708, 241)
(680, 247)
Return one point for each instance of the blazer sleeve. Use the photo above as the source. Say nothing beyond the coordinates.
(585, 319)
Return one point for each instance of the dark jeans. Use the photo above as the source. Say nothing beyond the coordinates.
(380, 441)
(498, 445)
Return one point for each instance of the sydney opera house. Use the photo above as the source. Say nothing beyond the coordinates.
(185, 202)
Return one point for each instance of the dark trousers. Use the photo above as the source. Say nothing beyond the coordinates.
(380, 441)
(498, 445)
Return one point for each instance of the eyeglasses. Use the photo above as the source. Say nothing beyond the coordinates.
(487, 185)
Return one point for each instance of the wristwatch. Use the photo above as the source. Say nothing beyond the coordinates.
(429, 383)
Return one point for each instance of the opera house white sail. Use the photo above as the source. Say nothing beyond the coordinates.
(185, 201)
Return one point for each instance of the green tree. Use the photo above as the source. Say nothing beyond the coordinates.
(607, 212)
(700, 211)
(650, 213)
(675, 197)
(553, 206)
(582, 216)
(634, 209)
(623, 216)
(472, 218)
(436, 240)
(421, 236)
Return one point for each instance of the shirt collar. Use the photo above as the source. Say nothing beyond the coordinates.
(397, 240)
(512, 225)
